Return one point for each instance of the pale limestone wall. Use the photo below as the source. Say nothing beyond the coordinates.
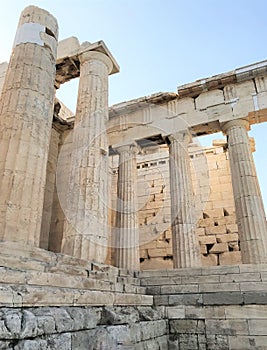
(217, 230)
(222, 307)
(155, 211)
(151, 189)
(3, 69)
(60, 192)
(49, 188)
(201, 308)
(54, 301)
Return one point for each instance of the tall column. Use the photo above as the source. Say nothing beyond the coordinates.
(186, 251)
(26, 112)
(127, 226)
(86, 228)
(250, 213)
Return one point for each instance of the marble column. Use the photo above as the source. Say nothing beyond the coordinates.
(26, 112)
(126, 231)
(250, 213)
(86, 227)
(186, 252)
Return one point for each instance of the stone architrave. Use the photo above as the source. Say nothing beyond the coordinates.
(250, 212)
(127, 226)
(186, 252)
(26, 112)
(86, 227)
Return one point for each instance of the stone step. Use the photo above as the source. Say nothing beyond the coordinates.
(26, 295)
(257, 297)
(25, 251)
(202, 271)
(244, 284)
(207, 288)
(191, 280)
(24, 263)
(20, 287)
(129, 280)
(69, 272)
(215, 274)
(50, 260)
(9, 276)
(23, 257)
(37, 278)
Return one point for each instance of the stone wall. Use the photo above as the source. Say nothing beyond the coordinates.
(214, 308)
(54, 301)
(50, 188)
(60, 192)
(51, 301)
(95, 328)
(3, 69)
(217, 229)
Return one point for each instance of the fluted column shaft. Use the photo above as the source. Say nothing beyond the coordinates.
(185, 244)
(126, 231)
(86, 228)
(26, 112)
(250, 213)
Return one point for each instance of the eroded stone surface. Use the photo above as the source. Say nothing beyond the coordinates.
(57, 301)
(26, 109)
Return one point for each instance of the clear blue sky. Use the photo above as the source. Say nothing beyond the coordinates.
(159, 44)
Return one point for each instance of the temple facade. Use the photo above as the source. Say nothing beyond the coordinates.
(92, 202)
(204, 218)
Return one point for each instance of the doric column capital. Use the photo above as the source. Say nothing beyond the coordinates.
(129, 146)
(183, 136)
(96, 56)
(235, 123)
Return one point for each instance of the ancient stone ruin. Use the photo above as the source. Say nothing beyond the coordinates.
(118, 230)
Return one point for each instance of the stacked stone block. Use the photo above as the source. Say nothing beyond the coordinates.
(217, 228)
(216, 221)
(75, 328)
(53, 301)
(221, 307)
(58, 301)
